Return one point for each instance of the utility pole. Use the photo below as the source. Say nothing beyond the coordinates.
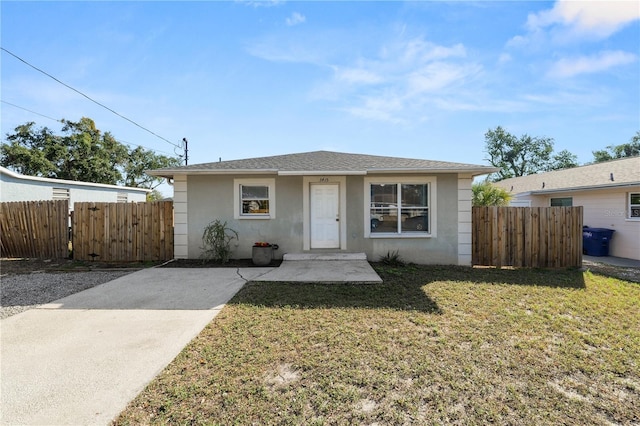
(186, 151)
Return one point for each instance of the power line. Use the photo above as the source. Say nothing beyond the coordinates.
(33, 112)
(91, 99)
(55, 119)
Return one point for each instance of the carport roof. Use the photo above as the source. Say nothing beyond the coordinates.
(325, 163)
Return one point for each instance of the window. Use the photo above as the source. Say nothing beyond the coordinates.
(634, 205)
(399, 208)
(254, 198)
(562, 202)
(122, 197)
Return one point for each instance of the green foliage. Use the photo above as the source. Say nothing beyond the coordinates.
(216, 240)
(154, 195)
(523, 156)
(80, 153)
(486, 194)
(392, 258)
(612, 152)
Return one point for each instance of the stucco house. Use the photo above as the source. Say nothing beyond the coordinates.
(329, 201)
(18, 187)
(609, 193)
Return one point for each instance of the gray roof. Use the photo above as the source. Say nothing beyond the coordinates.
(623, 172)
(324, 162)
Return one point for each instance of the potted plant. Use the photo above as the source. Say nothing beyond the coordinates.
(262, 253)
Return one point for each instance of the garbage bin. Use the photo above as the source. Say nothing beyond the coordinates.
(595, 241)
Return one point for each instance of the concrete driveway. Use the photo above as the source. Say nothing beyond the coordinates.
(81, 359)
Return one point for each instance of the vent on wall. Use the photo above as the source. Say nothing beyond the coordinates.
(60, 193)
(123, 197)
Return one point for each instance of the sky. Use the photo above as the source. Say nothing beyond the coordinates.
(243, 79)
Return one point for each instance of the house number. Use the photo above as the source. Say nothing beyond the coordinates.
(324, 179)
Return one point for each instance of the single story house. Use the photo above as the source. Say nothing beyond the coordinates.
(609, 193)
(18, 187)
(329, 201)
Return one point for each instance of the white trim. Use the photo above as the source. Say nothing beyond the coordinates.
(180, 218)
(306, 212)
(268, 182)
(629, 217)
(465, 237)
(431, 181)
(321, 173)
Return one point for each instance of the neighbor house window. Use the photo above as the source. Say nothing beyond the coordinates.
(254, 198)
(122, 197)
(634, 205)
(400, 208)
(562, 202)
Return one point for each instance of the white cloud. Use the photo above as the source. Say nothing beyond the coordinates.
(261, 3)
(569, 67)
(295, 19)
(596, 18)
(357, 76)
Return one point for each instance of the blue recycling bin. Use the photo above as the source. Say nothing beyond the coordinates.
(595, 241)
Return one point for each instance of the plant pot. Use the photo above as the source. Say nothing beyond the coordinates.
(261, 256)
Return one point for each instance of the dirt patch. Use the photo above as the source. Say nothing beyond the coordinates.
(620, 272)
(233, 263)
(18, 266)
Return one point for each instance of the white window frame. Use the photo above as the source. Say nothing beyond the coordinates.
(630, 206)
(237, 198)
(432, 205)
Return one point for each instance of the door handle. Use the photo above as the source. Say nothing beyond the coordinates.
(337, 219)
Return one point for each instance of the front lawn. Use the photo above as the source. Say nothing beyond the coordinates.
(431, 345)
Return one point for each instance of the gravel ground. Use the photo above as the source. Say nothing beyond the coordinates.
(19, 293)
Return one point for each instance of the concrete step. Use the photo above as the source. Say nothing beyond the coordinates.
(324, 256)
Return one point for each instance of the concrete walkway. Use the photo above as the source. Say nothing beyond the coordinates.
(323, 268)
(81, 359)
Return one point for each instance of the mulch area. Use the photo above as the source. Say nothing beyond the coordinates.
(233, 263)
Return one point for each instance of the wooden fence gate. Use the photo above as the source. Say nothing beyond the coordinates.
(123, 232)
(35, 229)
(544, 237)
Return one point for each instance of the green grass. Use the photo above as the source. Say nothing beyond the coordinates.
(431, 345)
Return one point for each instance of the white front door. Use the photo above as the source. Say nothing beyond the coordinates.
(325, 216)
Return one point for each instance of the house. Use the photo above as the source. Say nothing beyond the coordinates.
(18, 187)
(609, 193)
(329, 201)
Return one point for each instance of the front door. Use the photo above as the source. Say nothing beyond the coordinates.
(325, 216)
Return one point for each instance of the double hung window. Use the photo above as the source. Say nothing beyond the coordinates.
(254, 198)
(634, 206)
(400, 208)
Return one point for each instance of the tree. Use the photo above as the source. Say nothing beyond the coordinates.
(80, 153)
(612, 152)
(523, 156)
(486, 194)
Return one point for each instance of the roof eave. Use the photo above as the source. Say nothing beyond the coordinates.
(583, 188)
(169, 174)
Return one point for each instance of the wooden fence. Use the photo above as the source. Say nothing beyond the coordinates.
(35, 229)
(545, 237)
(129, 232)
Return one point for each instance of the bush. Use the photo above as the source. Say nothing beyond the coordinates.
(216, 240)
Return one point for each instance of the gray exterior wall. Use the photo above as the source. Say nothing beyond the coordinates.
(211, 197)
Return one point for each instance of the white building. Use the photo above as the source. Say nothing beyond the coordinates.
(17, 187)
(609, 193)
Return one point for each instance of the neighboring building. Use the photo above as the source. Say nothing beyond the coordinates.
(609, 193)
(17, 187)
(329, 201)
